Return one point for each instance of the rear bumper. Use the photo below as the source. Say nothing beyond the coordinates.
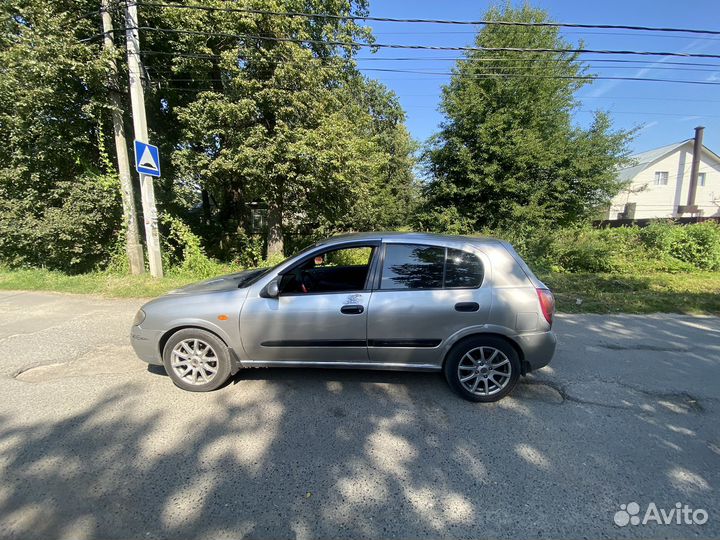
(145, 343)
(538, 349)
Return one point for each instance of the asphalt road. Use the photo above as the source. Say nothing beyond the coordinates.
(95, 445)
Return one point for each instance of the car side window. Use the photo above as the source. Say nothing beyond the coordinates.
(334, 270)
(412, 266)
(462, 270)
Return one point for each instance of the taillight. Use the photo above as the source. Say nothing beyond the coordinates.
(547, 304)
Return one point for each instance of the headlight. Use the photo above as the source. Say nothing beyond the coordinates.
(139, 317)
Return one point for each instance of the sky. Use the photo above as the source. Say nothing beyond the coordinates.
(665, 113)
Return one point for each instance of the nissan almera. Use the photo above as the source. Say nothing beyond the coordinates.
(469, 307)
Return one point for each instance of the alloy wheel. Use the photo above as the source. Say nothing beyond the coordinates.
(484, 371)
(194, 361)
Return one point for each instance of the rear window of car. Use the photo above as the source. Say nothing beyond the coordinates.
(463, 270)
(413, 266)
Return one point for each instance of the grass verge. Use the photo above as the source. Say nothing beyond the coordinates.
(99, 283)
(694, 293)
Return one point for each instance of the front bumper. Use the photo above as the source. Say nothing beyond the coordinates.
(146, 344)
(538, 349)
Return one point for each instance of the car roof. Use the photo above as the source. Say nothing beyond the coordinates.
(414, 237)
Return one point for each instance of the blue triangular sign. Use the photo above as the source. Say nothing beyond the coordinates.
(147, 159)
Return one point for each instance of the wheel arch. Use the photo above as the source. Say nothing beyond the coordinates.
(524, 366)
(235, 362)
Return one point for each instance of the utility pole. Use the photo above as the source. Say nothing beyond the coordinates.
(137, 99)
(133, 247)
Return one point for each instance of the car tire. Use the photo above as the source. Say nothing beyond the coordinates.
(196, 360)
(490, 365)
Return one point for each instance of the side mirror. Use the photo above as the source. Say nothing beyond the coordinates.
(272, 290)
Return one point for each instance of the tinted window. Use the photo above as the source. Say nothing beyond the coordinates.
(463, 269)
(412, 267)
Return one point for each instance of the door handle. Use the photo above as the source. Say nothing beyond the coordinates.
(352, 309)
(467, 306)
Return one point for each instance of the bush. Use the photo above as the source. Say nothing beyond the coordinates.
(697, 245)
(183, 251)
(661, 247)
(700, 246)
(72, 231)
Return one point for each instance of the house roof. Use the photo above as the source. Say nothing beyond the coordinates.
(645, 159)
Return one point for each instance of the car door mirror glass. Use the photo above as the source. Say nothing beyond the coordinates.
(272, 289)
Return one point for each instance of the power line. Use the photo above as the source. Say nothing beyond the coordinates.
(645, 98)
(642, 113)
(590, 111)
(598, 66)
(527, 60)
(509, 64)
(653, 113)
(420, 47)
(506, 60)
(578, 33)
(203, 89)
(505, 66)
(490, 75)
(641, 98)
(432, 21)
(535, 76)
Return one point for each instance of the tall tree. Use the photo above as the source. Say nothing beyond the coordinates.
(508, 154)
(59, 196)
(288, 124)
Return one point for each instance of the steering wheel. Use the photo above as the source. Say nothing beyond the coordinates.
(308, 282)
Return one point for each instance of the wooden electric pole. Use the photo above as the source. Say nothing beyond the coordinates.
(133, 247)
(137, 100)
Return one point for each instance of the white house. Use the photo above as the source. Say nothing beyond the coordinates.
(659, 181)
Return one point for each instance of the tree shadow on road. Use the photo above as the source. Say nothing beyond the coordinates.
(319, 453)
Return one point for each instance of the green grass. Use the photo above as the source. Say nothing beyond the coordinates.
(98, 283)
(696, 293)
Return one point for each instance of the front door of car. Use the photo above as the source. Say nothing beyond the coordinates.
(319, 314)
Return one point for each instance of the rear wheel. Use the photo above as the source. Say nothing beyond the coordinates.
(196, 360)
(483, 369)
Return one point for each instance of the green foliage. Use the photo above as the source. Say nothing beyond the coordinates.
(291, 126)
(183, 250)
(59, 199)
(507, 155)
(349, 257)
(73, 229)
(700, 246)
(661, 247)
(294, 127)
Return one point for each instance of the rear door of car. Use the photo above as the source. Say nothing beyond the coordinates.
(424, 293)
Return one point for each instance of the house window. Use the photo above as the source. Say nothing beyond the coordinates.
(701, 179)
(661, 178)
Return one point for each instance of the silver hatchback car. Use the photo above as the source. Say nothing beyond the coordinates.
(470, 307)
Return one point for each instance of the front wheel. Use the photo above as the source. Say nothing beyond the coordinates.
(196, 360)
(483, 369)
